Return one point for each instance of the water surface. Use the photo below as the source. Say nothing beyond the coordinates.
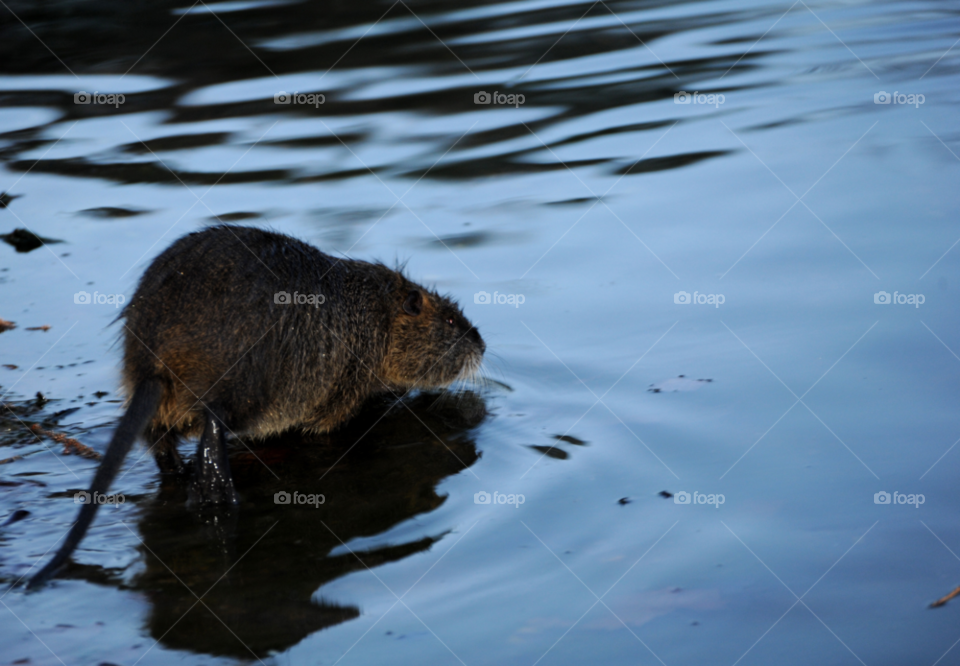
(783, 199)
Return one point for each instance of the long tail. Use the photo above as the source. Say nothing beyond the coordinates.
(146, 399)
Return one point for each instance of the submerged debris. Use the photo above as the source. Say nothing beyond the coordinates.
(235, 217)
(16, 516)
(943, 600)
(6, 325)
(679, 383)
(551, 451)
(108, 212)
(24, 240)
(70, 445)
(6, 198)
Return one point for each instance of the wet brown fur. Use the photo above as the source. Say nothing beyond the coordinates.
(205, 322)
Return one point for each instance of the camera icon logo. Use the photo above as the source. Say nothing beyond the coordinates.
(482, 298)
(82, 497)
(881, 298)
(81, 97)
(282, 497)
(483, 497)
(682, 97)
(82, 298)
(681, 298)
(281, 97)
(683, 497)
(883, 497)
(282, 298)
(482, 97)
(882, 97)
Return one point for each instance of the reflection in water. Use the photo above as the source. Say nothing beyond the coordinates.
(261, 567)
(399, 67)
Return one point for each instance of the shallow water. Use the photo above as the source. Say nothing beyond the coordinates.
(781, 195)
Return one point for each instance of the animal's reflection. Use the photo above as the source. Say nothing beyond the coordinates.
(257, 569)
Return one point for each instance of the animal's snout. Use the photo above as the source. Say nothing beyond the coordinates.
(474, 336)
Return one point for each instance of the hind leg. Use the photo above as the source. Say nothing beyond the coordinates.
(212, 482)
(163, 444)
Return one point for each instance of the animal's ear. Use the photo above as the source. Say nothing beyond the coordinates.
(414, 303)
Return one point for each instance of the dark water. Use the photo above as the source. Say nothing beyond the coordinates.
(782, 195)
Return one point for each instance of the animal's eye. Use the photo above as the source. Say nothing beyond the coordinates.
(451, 321)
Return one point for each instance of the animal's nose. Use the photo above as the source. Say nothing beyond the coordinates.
(475, 336)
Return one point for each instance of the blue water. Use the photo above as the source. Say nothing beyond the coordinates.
(797, 200)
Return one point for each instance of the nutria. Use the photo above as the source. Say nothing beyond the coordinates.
(250, 331)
